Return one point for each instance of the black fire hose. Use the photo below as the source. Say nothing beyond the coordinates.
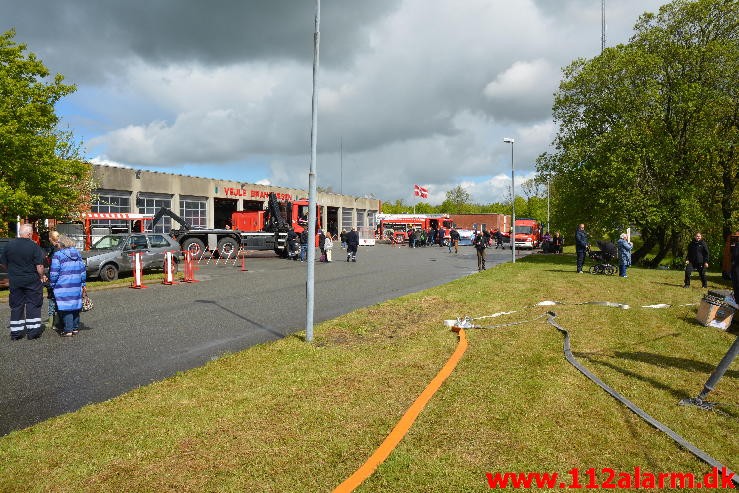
(639, 412)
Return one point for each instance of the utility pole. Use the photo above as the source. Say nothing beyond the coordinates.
(310, 281)
(549, 186)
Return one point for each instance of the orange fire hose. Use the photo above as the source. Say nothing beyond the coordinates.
(402, 427)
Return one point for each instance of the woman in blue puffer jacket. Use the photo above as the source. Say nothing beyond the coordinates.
(67, 278)
(624, 254)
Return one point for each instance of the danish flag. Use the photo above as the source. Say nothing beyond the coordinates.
(420, 191)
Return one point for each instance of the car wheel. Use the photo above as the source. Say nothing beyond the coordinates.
(195, 247)
(108, 272)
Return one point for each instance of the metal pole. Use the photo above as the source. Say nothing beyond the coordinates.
(508, 140)
(723, 365)
(513, 215)
(310, 281)
(602, 25)
(549, 185)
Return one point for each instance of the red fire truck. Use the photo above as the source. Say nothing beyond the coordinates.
(395, 227)
(528, 233)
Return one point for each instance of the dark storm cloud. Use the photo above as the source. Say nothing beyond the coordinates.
(84, 36)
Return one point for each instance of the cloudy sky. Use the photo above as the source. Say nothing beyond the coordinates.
(410, 91)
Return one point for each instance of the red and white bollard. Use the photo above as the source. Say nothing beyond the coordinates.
(189, 274)
(168, 268)
(137, 271)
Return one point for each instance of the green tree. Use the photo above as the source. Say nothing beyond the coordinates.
(458, 201)
(648, 130)
(42, 174)
(397, 207)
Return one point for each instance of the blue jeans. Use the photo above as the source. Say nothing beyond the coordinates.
(622, 270)
(71, 320)
(303, 251)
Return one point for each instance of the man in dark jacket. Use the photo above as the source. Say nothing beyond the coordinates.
(25, 262)
(304, 245)
(454, 240)
(352, 242)
(293, 248)
(697, 259)
(498, 239)
(480, 244)
(581, 246)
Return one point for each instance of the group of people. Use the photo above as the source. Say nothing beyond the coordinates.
(695, 260)
(26, 263)
(552, 243)
(622, 250)
(418, 237)
(298, 245)
(483, 239)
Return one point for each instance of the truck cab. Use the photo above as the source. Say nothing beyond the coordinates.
(294, 213)
(528, 233)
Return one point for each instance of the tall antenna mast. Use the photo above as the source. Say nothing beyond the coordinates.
(602, 25)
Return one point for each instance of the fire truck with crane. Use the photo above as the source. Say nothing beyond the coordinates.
(251, 230)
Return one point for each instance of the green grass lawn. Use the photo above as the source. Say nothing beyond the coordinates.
(291, 416)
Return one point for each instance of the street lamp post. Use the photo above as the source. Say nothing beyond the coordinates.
(549, 186)
(508, 140)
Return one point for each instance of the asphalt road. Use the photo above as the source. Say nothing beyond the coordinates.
(134, 337)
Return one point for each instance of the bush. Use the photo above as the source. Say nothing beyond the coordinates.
(647, 263)
(677, 263)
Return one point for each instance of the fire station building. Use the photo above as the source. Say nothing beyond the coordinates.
(208, 203)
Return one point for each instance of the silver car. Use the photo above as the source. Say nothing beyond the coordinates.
(114, 254)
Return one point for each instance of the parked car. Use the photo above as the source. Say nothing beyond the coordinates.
(112, 255)
(3, 269)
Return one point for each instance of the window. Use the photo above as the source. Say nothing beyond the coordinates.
(108, 242)
(194, 210)
(111, 201)
(150, 204)
(158, 241)
(347, 218)
(137, 242)
(361, 214)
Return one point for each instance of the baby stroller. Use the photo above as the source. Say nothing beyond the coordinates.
(602, 258)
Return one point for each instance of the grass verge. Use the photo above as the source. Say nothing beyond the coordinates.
(291, 416)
